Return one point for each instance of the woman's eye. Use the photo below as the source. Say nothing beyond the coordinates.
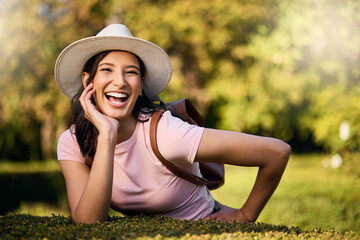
(132, 73)
(105, 69)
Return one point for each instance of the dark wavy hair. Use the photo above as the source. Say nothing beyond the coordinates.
(85, 132)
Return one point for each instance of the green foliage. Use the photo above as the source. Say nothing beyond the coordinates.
(145, 227)
(33, 111)
(206, 40)
(199, 36)
(287, 69)
(305, 79)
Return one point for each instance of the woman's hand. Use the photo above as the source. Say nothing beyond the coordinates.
(229, 214)
(93, 113)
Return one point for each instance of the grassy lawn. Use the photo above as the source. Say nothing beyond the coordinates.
(21, 226)
(309, 195)
(29, 167)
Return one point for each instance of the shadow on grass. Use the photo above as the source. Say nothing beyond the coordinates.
(15, 188)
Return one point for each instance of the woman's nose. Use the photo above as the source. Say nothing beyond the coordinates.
(120, 80)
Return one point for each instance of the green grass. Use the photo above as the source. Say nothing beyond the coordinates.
(309, 197)
(7, 166)
(144, 227)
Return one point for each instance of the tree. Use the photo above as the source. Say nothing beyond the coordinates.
(307, 68)
(279, 68)
(33, 110)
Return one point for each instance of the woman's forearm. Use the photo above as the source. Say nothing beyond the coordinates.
(266, 182)
(95, 200)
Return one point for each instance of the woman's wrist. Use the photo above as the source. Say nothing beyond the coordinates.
(107, 136)
(244, 215)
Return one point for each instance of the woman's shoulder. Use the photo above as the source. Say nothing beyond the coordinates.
(68, 135)
(173, 132)
(68, 147)
(67, 141)
(168, 118)
(169, 122)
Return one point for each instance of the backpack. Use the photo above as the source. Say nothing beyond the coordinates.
(213, 173)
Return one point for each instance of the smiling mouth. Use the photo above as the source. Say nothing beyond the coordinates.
(116, 97)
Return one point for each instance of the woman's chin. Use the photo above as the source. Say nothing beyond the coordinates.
(119, 115)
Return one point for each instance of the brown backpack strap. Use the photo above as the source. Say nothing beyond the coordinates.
(174, 169)
(184, 109)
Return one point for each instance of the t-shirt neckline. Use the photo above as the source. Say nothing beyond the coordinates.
(127, 143)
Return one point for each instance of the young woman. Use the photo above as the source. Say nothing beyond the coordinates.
(106, 157)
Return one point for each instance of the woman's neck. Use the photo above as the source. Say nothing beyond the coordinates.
(126, 129)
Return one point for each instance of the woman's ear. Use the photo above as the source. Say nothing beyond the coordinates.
(85, 78)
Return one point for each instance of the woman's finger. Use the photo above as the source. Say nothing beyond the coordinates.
(213, 216)
(92, 112)
(86, 96)
(83, 95)
(88, 92)
(228, 214)
(86, 103)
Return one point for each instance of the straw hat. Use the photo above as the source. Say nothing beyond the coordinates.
(71, 61)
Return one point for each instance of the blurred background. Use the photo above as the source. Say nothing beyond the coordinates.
(284, 69)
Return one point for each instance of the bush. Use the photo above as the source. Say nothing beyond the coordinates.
(46, 187)
(21, 226)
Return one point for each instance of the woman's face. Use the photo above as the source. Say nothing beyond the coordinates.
(117, 84)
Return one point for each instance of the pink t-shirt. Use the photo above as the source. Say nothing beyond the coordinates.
(141, 183)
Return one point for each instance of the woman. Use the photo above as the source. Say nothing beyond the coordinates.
(106, 157)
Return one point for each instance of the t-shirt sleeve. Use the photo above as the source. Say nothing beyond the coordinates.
(178, 140)
(68, 148)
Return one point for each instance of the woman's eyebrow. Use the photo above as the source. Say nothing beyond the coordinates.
(133, 66)
(110, 64)
(113, 65)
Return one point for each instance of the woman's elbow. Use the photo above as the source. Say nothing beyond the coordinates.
(86, 219)
(78, 220)
(283, 153)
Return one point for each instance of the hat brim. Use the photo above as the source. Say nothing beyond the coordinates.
(69, 65)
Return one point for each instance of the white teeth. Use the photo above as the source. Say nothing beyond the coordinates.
(116, 94)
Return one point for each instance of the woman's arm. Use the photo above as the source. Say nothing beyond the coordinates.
(269, 154)
(89, 192)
